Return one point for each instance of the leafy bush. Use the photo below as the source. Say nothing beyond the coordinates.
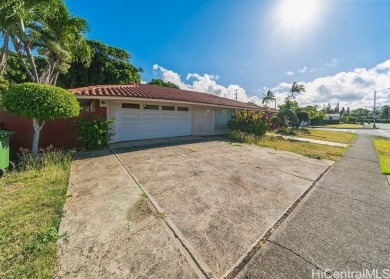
(275, 122)
(351, 120)
(40, 101)
(94, 132)
(248, 122)
(317, 120)
(303, 116)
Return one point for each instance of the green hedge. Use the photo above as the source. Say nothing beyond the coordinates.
(94, 132)
(248, 122)
(330, 122)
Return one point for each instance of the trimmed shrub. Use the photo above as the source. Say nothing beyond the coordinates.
(248, 122)
(40, 101)
(94, 132)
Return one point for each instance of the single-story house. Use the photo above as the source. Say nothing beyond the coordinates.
(140, 111)
(143, 111)
(332, 116)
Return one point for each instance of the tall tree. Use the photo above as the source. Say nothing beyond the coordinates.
(268, 97)
(337, 108)
(296, 88)
(342, 111)
(348, 111)
(45, 27)
(108, 65)
(329, 108)
(160, 82)
(385, 112)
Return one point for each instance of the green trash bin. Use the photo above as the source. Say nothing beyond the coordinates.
(5, 163)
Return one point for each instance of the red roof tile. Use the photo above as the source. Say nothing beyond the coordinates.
(158, 92)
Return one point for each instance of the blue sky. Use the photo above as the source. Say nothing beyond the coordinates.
(249, 44)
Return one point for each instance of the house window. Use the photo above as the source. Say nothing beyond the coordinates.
(330, 118)
(152, 107)
(221, 118)
(87, 105)
(168, 108)
(182, 108)
(130, 106)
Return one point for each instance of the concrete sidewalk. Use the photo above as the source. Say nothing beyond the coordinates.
(342, 224)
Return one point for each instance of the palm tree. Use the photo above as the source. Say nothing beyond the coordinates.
(47, 27)
(268, 97)
(296, 88)
(61, 39)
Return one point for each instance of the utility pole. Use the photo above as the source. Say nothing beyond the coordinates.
(236, 93)
(374, 110)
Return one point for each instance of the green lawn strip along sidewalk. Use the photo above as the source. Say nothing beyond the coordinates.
(325, 135)
(311, 150)
(382, 146)
(348, 126)
(31, 204)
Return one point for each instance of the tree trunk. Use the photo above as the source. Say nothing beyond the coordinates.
(4, 54)
(18, 50)
(37, 129)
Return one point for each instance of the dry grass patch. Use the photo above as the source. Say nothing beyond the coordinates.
(333, 136)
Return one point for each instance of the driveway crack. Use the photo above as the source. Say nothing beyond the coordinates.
(297, 254)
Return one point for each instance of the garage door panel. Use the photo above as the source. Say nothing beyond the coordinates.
(139, 124)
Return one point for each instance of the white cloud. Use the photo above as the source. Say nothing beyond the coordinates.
(332, 63)
(289, 73)
(313, 70)
(302, 70)
(205, 83)
(353, 88)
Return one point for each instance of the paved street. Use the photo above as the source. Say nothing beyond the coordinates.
(383, 130)
(343, 224)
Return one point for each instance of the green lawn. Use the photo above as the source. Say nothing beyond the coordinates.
(31, 203)
(383, 148)
(325, 135)
(347, 126)
(311, 150)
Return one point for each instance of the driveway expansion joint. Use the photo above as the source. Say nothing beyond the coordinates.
(185, 247)
(257, 245)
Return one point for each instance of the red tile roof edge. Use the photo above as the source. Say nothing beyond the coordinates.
(146, 91)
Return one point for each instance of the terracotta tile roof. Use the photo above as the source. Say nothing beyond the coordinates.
(158, 92)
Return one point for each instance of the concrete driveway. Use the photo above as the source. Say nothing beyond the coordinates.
(222, 197)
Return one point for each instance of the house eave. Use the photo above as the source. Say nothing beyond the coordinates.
(165, 101)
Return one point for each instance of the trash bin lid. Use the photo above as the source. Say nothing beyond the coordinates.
(5, 134)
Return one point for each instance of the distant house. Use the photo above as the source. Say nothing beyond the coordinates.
(332, 116)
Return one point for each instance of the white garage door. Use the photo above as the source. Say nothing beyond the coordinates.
(136, 121)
